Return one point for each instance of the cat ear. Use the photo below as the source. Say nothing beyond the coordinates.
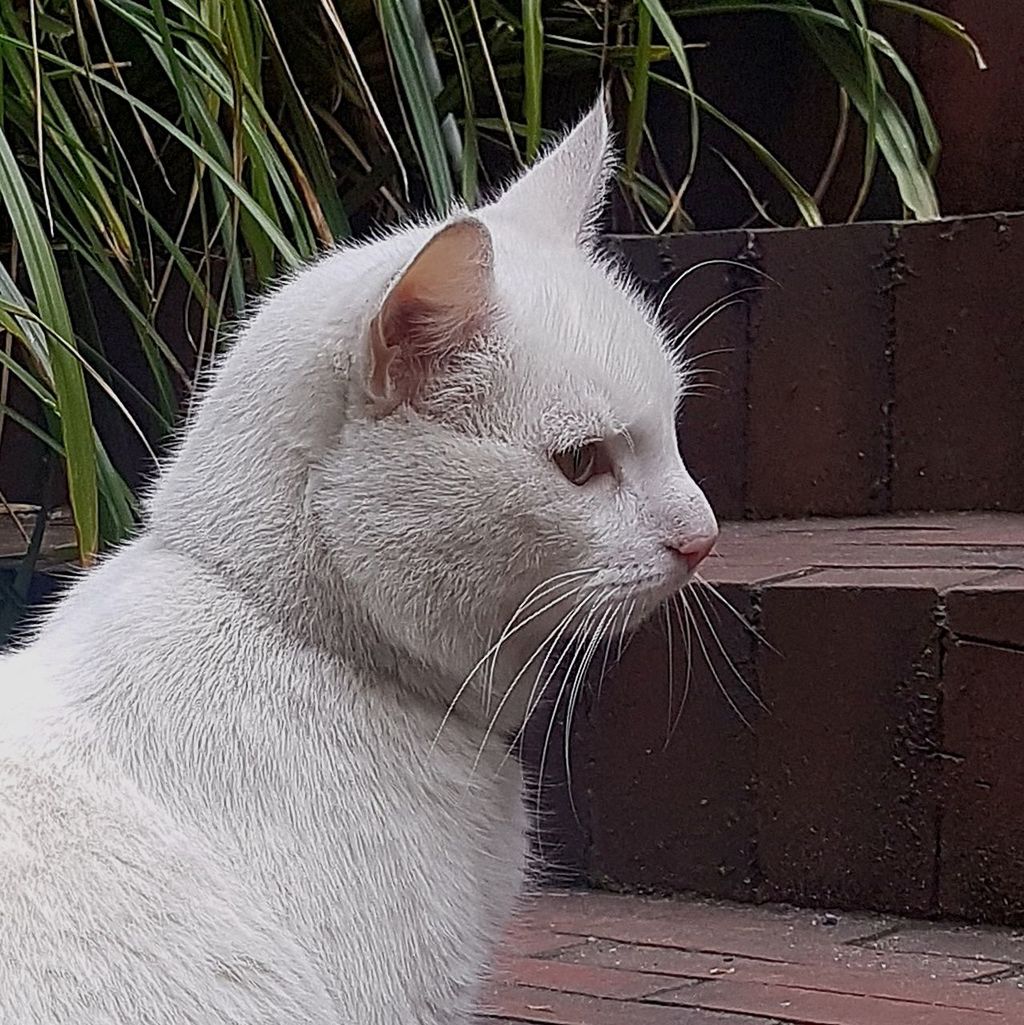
(564, 191)
(440, 302)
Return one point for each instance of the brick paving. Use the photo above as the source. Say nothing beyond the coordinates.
(591, 958)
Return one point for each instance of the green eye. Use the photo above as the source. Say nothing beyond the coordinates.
(581, 462)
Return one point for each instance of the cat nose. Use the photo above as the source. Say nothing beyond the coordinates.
(695, 550)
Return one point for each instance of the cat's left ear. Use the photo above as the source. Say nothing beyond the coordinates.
(563, 193)
(441, 302)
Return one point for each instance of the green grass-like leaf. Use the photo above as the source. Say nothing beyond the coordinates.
(66, 371)
(209, 145)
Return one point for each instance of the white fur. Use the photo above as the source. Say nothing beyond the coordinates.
(224, 796)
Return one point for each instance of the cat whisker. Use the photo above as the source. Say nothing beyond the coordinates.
(728, 660)
(628, 613)
(718, 679)
(716, 593)
(668, 660)
(494, 649)
(540, 683)
(684, 362)
(684, 617)
(690, 366)
(698, 388)
(706, 318)
(537, 594)
(578, 685)
(547, 643)
(753, 269)
(716, 306)
(577, 652)
(732, 665)
(622, 632)
(511, 630)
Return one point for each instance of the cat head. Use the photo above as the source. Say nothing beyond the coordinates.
(508, 451)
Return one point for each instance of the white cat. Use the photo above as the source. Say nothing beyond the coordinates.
(226, 795)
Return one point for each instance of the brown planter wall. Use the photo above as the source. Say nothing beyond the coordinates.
(876, 371)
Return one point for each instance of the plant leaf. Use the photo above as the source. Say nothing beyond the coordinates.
(68, 378)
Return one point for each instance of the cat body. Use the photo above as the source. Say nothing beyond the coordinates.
(235, 865)
(254, 767)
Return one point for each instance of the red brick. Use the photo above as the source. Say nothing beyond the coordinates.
(814, 1007)
(892, 578)
(867, 961)
(990, 610)
(763, 933)
(524, 937)
(958, 369)
(837, 795)
(983, 944)
(907, 986)
(847, 794)
(860, 970)
(665, 961)
(983, 529)
(523, 1004)
(982, 838)
(815, 422)
(587, 980)
(756, 552)
(670, 783)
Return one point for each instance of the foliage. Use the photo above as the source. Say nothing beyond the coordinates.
(219, 142)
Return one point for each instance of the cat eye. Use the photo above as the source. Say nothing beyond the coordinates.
(581, 462)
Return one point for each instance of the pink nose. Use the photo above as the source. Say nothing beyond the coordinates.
(695, 551)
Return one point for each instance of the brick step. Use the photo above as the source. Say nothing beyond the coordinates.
(884, 770)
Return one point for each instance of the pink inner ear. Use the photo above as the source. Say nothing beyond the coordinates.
(415, 343)
(438, 305)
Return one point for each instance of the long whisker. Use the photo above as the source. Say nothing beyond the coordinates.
(716, 593)
(696, 322)
(628, 610)
(577, 651)
(684, 617)
(622, 632)
(540, 683)
(540, 591)
(708, 263)
(549, 640)
(668, 660)
(728, 660)
(714, 672)
(577, 688)
(686, 362)
(492, 651)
